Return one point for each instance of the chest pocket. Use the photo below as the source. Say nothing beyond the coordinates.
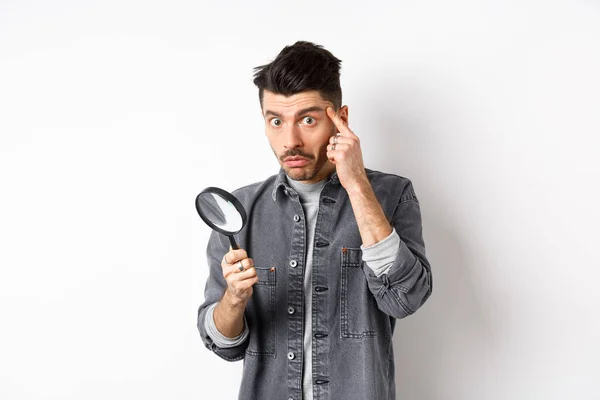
(260, 314)
(358, 306)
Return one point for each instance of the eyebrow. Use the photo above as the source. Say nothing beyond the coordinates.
(299, 113)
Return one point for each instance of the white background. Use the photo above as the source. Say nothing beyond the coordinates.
(115, 114)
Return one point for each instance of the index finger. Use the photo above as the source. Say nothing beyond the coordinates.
(234, 256)
(337, 121)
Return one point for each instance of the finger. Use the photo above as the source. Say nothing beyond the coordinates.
(248, 274)
(245, 263)
(242, 276)
(236, 268)
(338, 148)
(234, 256)
(239, 266)
(344, 130)
(245, 284)
(335, 138)
(339, 122)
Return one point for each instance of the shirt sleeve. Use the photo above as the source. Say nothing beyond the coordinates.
(380, 256)
(218, 338)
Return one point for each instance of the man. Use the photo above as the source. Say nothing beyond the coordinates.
(331, 256)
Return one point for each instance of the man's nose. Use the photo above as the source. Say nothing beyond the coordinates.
(292, 137)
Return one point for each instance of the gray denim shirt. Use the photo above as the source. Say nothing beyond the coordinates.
(354, 311)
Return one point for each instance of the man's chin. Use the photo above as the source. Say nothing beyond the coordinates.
(299, 174)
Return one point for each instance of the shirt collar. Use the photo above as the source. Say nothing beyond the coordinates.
(280, 182)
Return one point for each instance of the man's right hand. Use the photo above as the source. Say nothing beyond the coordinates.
(239, 282)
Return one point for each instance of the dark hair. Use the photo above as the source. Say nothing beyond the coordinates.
(300, 67)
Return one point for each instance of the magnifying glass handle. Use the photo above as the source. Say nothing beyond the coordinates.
(234, 245)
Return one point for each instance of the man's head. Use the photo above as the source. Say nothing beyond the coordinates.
(294, 91)
(298, 68)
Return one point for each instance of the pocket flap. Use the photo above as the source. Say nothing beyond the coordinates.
(351, 257)
(266, 276)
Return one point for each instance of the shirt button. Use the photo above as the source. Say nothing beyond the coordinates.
(296, 218)
(291, 355)
(293, 263)
(291, 310)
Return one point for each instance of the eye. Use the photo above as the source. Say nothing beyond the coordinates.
(309, 120)
(276, 122)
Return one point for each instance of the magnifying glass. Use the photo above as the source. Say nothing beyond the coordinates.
(222, 211)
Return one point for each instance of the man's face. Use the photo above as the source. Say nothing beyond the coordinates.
(298, 130)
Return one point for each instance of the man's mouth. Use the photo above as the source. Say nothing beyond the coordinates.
(295, 162)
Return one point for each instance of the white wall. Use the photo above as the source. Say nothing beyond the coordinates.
(115, 114)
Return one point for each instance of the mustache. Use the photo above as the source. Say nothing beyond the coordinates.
(295, 153)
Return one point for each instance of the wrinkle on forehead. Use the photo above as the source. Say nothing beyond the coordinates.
(290, 105)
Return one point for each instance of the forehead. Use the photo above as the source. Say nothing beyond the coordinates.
(282, 104)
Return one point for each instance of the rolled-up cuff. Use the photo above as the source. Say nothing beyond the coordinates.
(380, 256)
(217, 337)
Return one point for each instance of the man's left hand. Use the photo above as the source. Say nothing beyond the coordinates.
(345, 153)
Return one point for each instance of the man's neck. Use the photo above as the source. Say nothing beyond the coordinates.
(308, 192)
